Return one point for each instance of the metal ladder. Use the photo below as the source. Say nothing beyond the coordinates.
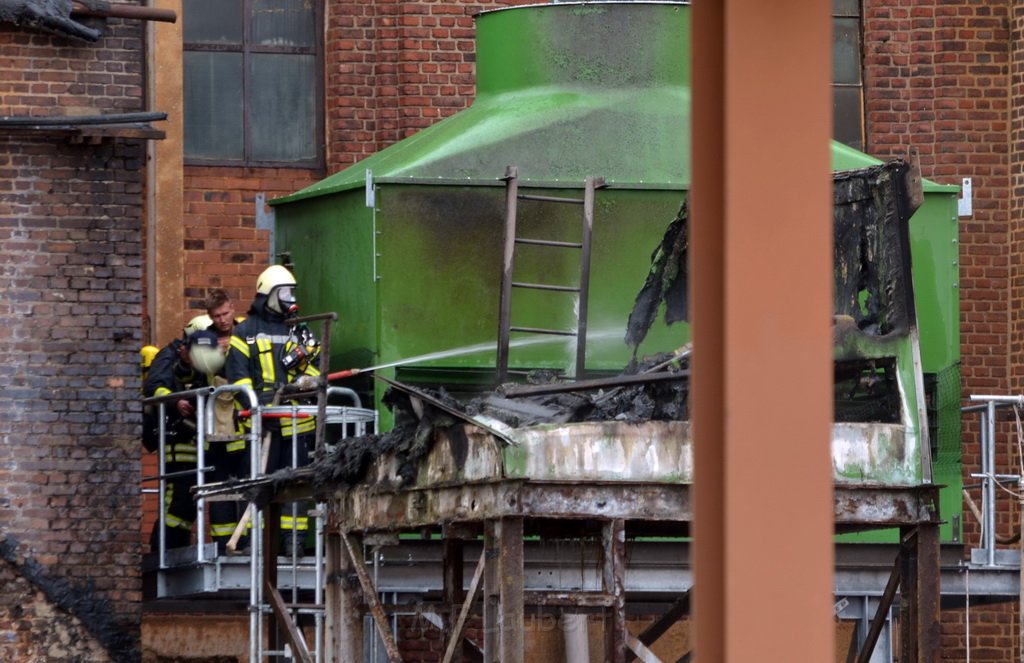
(505, 326)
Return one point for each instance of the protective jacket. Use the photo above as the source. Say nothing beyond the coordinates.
(168, 374)
(256, 359)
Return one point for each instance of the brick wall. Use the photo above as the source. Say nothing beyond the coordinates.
(393, 68)
(937, 76)
(70, 218)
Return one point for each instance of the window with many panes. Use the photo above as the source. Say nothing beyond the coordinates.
(251, 82)
(847, 81)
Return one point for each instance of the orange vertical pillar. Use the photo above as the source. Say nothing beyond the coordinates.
(761, 238)
(165, 240)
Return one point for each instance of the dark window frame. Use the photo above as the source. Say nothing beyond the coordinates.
(838, 12)
(248, 49)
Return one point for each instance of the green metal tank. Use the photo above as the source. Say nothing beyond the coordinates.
(406, 246)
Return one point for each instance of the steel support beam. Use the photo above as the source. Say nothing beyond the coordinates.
(452, 565)
(613, 539)
(343, 601)
(920, 632)
(454, 632)
(761, 233)
(503, 591)
(353, 545)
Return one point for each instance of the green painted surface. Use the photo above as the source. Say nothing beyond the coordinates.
(599, 90)
(331, 242)
(569, 98)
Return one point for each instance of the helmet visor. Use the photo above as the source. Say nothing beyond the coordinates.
(282, 299)
(286, 295)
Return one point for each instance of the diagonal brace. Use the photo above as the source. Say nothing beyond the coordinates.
(370, 594)
(460, 624)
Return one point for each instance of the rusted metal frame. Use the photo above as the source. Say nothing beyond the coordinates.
(366, 508)
(597, 383)
(584, 297)
(851, 651)
(121, 10)
(908, 609)
(892, 505)
(321, 392)
(291, 630)
(453, 653)
(884, 603)
(548, 599)
(545, 286)
(550, 199)
(679, 609)
(452, 565)
(505, 303)
(613, 571)
(509, 535)
(920, 632)
(492, 594)
(370, 596)
(549, 242)
(343, 604)
(324, 367)
(542, 330)
(333, 610)
(640, 649)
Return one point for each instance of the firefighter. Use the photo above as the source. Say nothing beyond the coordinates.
(150, 418)
(171, 371)
(268, 352)
(146, 356)
(227, 450)
(221, 310)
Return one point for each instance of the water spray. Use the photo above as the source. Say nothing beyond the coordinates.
(466, 350)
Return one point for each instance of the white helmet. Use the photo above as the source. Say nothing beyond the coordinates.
(204, 352)
(198, 323)
(279, 285)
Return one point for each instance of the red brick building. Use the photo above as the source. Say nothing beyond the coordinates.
(99, 233)
(71, 219)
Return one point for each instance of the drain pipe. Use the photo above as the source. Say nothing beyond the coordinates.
(577, 640)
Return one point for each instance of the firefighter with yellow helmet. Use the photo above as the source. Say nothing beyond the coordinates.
(171, 371)
(269, 351)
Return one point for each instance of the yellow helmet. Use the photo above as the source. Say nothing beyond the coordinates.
(197, 323)
(147, 354)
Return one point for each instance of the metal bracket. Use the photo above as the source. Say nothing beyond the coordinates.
(963, 203)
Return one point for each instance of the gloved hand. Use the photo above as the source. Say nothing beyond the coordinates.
(305, 383)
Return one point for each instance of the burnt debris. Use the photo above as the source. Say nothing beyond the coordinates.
(666, 282)
(655, 388)
(52, 16)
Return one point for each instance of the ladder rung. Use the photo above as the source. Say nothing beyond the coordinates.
(550, 199)
(549, 242)
(538, 330)
(545, 286)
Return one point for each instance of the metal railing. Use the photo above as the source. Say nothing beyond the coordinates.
(991, 480)
(205, 398)
(341, 421)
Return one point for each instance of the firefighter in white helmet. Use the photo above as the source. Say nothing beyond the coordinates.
(267, 352)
